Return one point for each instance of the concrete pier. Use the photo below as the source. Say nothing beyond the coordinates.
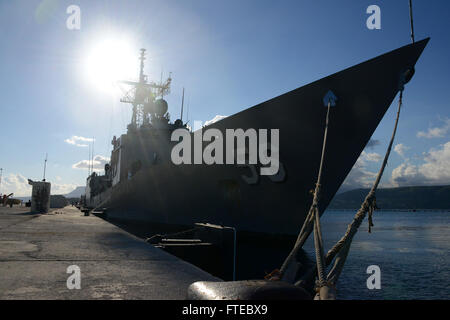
(36, 251)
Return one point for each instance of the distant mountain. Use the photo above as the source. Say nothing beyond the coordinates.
(425, 197)
(78, 192)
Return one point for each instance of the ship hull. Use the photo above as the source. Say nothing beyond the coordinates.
(229, 195)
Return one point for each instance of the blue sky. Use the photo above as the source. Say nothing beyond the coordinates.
(229, 55)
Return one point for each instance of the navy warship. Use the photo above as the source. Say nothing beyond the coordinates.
(141, 183)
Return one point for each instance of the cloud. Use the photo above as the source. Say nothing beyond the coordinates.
(74, 140)
(436, 132)
(98, 164)
(17, 184)
(370, 156)
(360, 176)
(372, 144)
(64, 188)
(401, 149)
(215, 119)
(434, 171)
(406, 174)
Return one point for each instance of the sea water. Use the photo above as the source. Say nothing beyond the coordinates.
(412, 250)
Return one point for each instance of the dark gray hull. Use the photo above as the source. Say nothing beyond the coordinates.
(218, 194)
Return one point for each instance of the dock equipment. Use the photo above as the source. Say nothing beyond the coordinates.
(40, 196)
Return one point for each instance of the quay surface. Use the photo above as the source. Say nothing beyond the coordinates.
(37, 249)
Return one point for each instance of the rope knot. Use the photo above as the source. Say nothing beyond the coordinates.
(372, 206)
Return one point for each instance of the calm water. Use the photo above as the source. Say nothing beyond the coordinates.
(412, 250)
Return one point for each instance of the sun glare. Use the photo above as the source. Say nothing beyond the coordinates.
(110, 60)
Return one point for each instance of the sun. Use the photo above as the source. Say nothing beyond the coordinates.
(109, 61)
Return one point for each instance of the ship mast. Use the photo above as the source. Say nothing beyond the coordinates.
(142, 77)
(142, 94)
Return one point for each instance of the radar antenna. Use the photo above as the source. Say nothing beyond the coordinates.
(182, 105)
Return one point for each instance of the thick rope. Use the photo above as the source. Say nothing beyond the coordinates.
(369, 203)
(318, 244)
(411, 20)
(326, 287)
(312, 222)
(340, 250)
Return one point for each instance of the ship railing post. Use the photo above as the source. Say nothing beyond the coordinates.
(234, 251)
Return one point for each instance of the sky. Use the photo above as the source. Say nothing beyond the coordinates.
(229, 55)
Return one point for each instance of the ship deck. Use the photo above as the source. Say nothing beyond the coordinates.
(37, 249)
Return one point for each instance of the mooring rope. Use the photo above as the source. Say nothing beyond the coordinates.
(312, 221)
(340, 250)
(411, 20)
(342, 247)
(326, 286)
(318, 242)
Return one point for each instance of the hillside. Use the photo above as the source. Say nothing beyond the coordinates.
(426, 197)
(76, 193)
